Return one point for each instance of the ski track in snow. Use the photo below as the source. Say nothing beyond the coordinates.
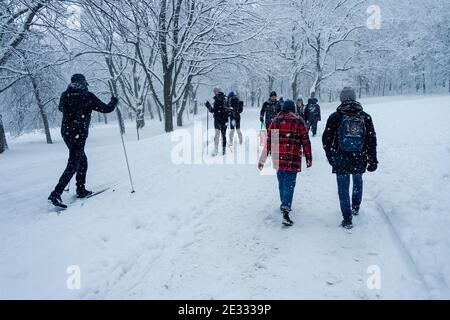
(194, 232)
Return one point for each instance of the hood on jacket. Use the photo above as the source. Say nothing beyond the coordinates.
(350, 106)
(76, 87)
(312, 101)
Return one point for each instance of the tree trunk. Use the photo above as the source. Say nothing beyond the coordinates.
(360, 86)
(105, 117)
(168, 107)
(41, 107)
(150, 110)
(3, 143)
(294, 86)
(424, 84)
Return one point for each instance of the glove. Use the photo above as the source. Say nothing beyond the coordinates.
(260, 165)
(331, 160)
(309, 163)
(372, 167)
(208, 105)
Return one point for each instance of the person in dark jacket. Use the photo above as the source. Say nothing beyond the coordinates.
(236, 107)
(300, 106)
(350, 144)
(287, 139)
(221, 116)
(77, 104)
(312, 114)
(270, 109)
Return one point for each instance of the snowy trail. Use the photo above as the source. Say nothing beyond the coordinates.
(193, 231)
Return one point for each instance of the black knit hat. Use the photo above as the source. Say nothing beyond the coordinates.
(273, 94)
(288, 106)
(79, 78)
(348, 93)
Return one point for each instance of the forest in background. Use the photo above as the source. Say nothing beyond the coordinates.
(162, 57)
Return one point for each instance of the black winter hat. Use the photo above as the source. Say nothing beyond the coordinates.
(273, 94)
(79, 78)
(288, 106)
(348, 93)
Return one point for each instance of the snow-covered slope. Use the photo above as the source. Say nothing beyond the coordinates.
(213, 231)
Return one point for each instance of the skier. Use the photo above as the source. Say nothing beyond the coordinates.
(350, 145)
(221, 115)
(77, 104)
(312, 114)
(300, 107)
(236, 107)
(287, 153)
(270, 109)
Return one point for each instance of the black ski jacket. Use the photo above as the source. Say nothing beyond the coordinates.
(220, 108)
(77, 104)
(312, 111)
(269, 111)
(236, 107)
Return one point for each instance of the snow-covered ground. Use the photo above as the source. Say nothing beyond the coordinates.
(214, 231)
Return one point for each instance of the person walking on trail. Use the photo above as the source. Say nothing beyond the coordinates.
(287, 139)
(76, 105)
(221, 116)
(236, 107)
(350, 144)
(270, 109)
(300, 106)
(312, 114)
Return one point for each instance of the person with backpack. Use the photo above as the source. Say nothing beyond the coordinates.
(270, 109)
(350, 144)
(300, 107)
(236, 107)
(287, 139)
(312, 114)
(221, 115)
(77, 104)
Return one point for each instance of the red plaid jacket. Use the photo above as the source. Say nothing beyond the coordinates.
(286, 138)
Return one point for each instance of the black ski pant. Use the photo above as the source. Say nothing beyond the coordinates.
(221, 127)
(77, 164)
(312, 124)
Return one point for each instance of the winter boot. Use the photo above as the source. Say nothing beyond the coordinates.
(82, 193)
(355, 210)
(347, 223)
(55, 199)
(287, 219)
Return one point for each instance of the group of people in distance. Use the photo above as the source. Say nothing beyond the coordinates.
(349, 141)
(226, 110)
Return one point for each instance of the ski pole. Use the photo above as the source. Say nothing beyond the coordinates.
(126, 159)
(112, 88)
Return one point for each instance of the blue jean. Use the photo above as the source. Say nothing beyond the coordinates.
(343, 181)
(286, 184)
